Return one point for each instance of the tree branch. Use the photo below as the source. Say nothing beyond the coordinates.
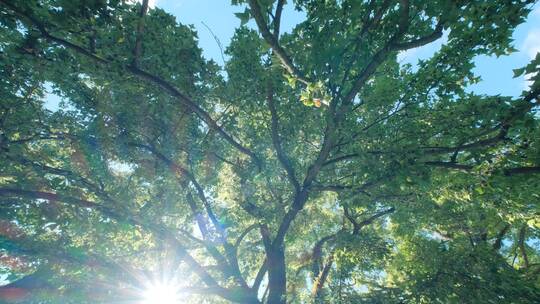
(449, 165)
(260, 276)
(521, 170)
(320, 280)
(341, 158)
(436, 34)
(369, 24)
(231, 268)
(316, 253)
(158, 230)
(355, 189)
(529, 101)
(521, 243)
(272, 40)
(498, 242)
(477, 144)
(282, 157)
(357, 226)
(277, 17)
(382, 54)
(183, 171)
(107, 211)
(140, 30)
(179, 96)
(198, 217)
(372, 218)
(467, 168)
(243, 235)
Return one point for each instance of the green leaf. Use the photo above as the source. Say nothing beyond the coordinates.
(243, 16)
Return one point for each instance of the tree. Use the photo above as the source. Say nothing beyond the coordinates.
(311, 167)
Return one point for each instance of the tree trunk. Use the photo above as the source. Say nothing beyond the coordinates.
(276, 275)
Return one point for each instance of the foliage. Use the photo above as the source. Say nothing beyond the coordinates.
(311, 167)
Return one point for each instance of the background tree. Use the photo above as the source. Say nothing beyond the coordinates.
(312, 167)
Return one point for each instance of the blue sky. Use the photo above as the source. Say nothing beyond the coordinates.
(218, 16)
(496, 73)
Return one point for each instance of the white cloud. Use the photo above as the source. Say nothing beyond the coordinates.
(531, 45)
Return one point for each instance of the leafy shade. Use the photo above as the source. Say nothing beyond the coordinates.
(311, 167)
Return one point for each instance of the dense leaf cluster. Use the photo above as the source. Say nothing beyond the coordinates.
(312, 167)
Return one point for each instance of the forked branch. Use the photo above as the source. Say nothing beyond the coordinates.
(272, 40)
(182, 98)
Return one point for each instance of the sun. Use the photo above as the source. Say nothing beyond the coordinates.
(161, 293)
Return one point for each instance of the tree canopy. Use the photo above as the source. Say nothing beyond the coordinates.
(312, 167)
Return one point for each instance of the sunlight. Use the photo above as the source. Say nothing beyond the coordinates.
(161, 293)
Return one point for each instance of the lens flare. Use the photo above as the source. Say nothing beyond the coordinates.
(161, 293)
